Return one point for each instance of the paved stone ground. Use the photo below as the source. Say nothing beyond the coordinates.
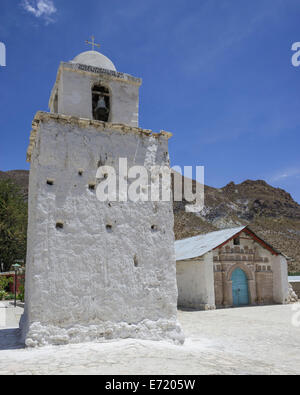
(250, 340)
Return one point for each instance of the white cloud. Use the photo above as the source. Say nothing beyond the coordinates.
(44, 9)
(286, 174)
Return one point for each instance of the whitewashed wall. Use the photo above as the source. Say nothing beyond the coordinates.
(280, 280)
(74, 88)
(195, 281)
(81, 281)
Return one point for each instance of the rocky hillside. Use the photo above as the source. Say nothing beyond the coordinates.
(20, 177)
(271, 212)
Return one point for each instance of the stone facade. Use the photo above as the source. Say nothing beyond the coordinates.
(95, 270)
(258, 264)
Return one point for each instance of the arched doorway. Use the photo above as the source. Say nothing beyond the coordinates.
(240, 292)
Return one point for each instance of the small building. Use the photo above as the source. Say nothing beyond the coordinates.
(231, 267)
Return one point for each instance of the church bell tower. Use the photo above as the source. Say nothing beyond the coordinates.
(90, 87)
(95, 270)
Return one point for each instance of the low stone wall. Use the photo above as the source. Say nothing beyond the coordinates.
(296, 287)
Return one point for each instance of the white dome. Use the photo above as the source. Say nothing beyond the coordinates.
(95, 59)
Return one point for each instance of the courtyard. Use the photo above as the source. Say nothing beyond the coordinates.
(249, 340)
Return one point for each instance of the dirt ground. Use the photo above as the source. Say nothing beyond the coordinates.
(249, 340)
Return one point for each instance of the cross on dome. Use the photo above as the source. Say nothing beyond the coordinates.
(92, 43)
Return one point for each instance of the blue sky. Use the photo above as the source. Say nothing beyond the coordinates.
(216, 73)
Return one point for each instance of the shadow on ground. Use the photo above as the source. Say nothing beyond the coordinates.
(10, 339)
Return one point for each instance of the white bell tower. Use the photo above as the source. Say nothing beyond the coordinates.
(95, 270)
(89, 77)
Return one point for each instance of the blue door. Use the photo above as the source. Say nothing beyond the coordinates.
(239, 288)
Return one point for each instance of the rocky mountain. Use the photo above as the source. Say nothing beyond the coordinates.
(20, 177)
(271, 213)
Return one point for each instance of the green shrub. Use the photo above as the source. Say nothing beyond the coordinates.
(9, 296)
(4, 282)
(3, 295)
(13, 224)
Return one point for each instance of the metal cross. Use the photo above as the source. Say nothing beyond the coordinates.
(92, 43)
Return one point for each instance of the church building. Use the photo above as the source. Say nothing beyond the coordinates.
(230, 267)
(96, 270)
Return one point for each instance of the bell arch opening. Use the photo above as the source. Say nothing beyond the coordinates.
(100, 103)
(55, 103)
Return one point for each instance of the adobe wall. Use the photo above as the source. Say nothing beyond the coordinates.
(108, 273)
(195, 283)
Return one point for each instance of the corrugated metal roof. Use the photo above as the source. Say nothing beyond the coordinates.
(294, 279)
(197, 246)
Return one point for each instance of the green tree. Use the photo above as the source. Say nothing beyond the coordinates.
(4, 285)
(13, 224)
